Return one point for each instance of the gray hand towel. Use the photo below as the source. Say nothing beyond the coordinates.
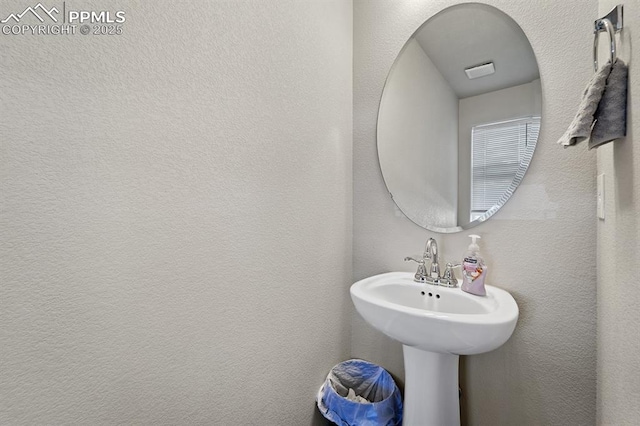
(611, 115)
(580, 127)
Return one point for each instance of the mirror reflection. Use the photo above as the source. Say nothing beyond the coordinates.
(459, 117)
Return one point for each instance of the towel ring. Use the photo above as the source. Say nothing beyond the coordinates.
(611, 23)
(607, 26)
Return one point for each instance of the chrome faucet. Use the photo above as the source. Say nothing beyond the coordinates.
(431, 252)
(448, 279)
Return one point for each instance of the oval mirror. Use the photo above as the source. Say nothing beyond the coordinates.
(459, 117)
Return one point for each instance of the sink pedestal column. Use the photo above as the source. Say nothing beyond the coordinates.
(431, 388)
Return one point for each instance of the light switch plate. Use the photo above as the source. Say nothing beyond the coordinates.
(600, 195)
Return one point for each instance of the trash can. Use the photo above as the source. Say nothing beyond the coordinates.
(359, 393)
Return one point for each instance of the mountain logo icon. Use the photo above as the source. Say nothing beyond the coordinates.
(38, 11)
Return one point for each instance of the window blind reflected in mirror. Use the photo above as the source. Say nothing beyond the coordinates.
(500, 151)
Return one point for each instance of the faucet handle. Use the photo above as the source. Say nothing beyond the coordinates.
(448, 278)
(421, 273)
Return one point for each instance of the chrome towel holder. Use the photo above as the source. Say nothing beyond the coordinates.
(611, 23)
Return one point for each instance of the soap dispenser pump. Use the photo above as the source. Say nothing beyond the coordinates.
(474, 269)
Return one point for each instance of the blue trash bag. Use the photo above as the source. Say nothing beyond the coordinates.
(383, 406)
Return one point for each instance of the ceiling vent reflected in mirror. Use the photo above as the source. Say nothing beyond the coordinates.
(480, 70)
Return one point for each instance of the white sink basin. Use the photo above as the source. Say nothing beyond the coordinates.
(434, 318)
(435, 325)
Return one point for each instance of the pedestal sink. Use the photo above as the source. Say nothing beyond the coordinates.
(435, 325)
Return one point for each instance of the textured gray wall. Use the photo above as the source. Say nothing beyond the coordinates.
(175, 214)
(619, 248)
(540, 247)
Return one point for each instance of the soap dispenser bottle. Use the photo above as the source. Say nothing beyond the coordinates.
(474, 269)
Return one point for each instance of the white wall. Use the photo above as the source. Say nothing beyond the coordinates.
(175, 221)
(419, 121)
(506, 104)
(619, 248)
(545, 373)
